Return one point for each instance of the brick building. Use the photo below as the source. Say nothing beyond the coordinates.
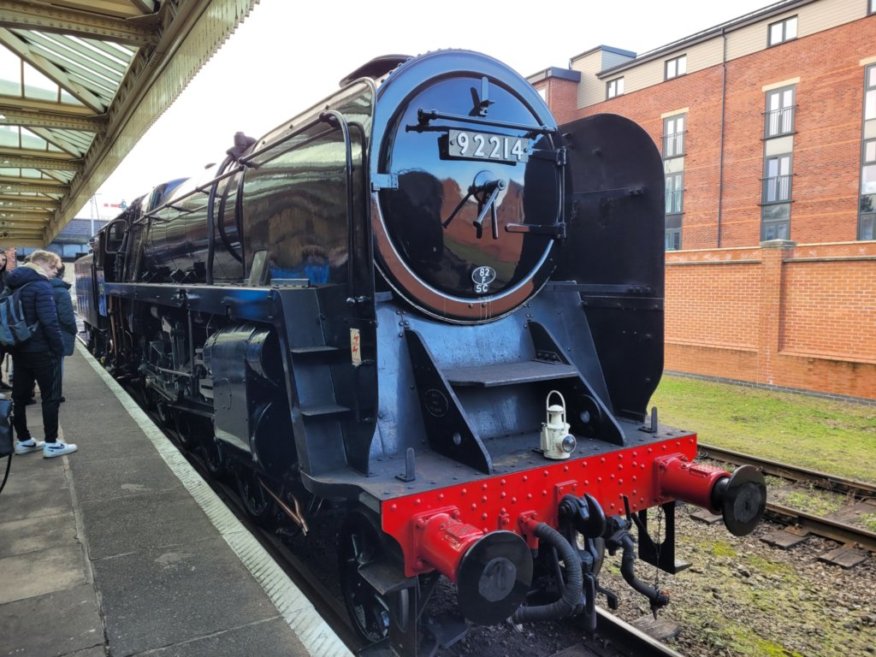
(767, 126)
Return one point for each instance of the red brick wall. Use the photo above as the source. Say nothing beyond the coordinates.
(792, 316)
(827, 143)
(561, 96)
(799, 316)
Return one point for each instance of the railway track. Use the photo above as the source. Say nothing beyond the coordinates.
(823, 480)
(825, 526)
(617, 637)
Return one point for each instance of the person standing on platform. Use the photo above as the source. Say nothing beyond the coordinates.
(39, 358)
(66, 320)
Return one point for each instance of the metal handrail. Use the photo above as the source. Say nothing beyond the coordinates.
(777, 189)
(779, 121)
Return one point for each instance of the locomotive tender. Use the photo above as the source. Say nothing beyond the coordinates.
(424, 300)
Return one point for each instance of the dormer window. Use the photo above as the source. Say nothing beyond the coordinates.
(614, 88)
(783, 31)
(675, 67)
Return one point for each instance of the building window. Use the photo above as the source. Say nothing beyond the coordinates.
(867, 219)
(867, 206)
(614, 87)
(779, 115)
(777, 183)
(776, 205)
(674, 193)
(673, 136)
(776, 220)
(674, 207)
(870, 92)
(675, 67)
(783, 31)
(673, 232)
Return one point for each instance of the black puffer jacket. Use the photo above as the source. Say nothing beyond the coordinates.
(66, 316)
(38, 302)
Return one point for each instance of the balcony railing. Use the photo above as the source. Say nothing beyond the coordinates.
(673, 145)
(780, 121)
(777, 189)
(674, 201)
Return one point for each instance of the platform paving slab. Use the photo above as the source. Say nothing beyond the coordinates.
(95, 448)
(18, 537)
(72, 616)
(38, 573)
(120, 525)
(263, 638)
(135, 474)
(34, 490)
(144, 592)
(97, 651)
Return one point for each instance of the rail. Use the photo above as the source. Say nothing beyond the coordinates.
(792, 472)
(822, 526)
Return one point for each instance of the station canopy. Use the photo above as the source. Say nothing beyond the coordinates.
(80, 83)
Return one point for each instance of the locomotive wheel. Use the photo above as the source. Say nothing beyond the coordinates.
(152, 403)
(361, 544)
(255, 498)
(214, 459)
(186, 429)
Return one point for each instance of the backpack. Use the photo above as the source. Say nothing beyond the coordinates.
(13, 328)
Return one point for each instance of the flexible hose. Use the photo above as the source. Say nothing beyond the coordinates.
(571, 596)
(656, 598)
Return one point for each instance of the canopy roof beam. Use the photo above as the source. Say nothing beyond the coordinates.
(47, 18)
(93, 77)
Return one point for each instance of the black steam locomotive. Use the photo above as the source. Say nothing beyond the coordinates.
(424, 300)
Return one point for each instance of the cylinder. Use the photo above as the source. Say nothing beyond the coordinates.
(739, 497)
(687, 481)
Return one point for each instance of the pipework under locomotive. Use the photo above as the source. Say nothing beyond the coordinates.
(424, 300)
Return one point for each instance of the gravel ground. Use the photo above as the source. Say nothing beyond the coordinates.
(744, 597)
(740, 597)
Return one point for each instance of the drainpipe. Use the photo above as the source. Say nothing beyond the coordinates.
(721, 154)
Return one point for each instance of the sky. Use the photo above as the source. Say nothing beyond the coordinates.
(286, 56)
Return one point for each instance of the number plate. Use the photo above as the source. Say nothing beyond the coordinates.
(468, 145)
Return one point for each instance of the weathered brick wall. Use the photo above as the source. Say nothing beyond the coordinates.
(795, 316)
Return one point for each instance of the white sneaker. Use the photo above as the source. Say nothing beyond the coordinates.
(59, 448)
(27, 446)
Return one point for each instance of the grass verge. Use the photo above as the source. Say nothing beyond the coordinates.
(836, 437)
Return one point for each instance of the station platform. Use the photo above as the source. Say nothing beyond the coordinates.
(122, 549)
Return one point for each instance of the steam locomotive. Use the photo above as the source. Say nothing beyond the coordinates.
(425, 301)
